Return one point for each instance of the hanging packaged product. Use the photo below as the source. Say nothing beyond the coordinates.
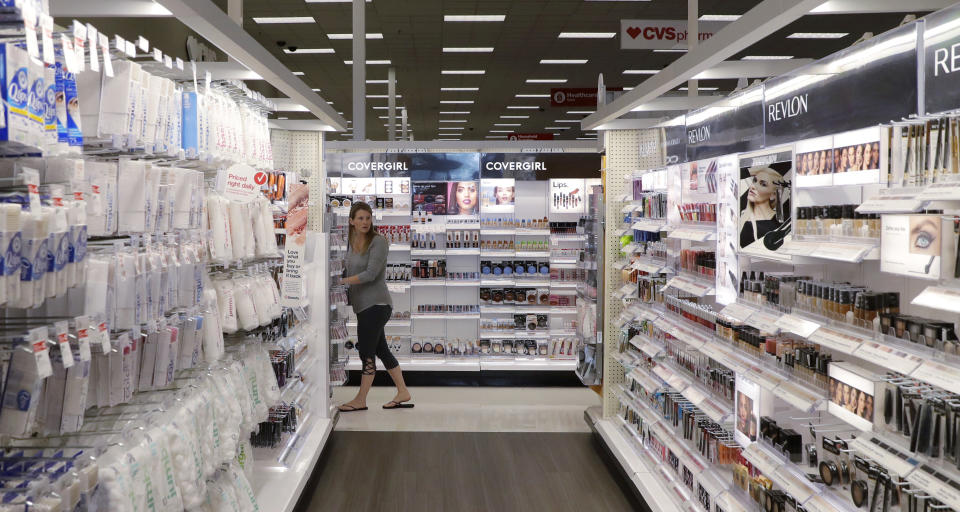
(15, 132)
(11, 243)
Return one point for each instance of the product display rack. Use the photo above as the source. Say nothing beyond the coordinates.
(461, 280)
(817, 338)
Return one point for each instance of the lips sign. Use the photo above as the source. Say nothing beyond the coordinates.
(634, 32)
(260, 178)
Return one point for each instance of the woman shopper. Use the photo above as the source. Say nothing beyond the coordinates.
(368, 294)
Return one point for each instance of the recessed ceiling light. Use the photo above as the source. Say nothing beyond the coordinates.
(701, 88)
(306, 51)
(463, 72)
(467, 49)
(451, 128)
(720, 17)
(581, 111)
(523, 107)
(566, 120)
(671, 50)
(514, 117)
(532, 95)
(506, 124)
(459, 89)
(385, 62)
(587, 35)
(378, 81)
(495, 137)
(767, 57)
(546, 80)
(501, 131)
(640, 71)
(282, 118)
(382, 96)
(316, 90)
(474, 17)
(284, 19)
(453, 120)
(563, 61)
(557, 127)
(456, 102)
(818, 35)
(455, 112)
(298, 73)
(370, 35)
(586, 138)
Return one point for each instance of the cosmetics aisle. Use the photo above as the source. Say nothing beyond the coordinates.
(485, 274)
(783, 325)
(151, 358)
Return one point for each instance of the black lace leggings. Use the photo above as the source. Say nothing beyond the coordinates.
(371, 342)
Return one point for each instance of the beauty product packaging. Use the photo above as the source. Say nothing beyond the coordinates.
(246, 309)
(191, 116)
(50, 138)
(101, 199)
(21, 393)
(218, 218)
(11, 241)
(133, 196)
(15, 131)
(213, 327)
(33, 260)
(118, 100)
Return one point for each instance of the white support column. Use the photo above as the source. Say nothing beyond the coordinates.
(693, 37)
(392, 104)
(359, 70)
(235, 11)
(403, 123)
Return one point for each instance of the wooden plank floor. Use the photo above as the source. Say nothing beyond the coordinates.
(463, 471)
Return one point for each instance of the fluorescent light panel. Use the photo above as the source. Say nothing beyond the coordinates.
(455, 112)
(522, 107)
(767, 57)
(453, 120)
(298, 73)
(700, 88)
(720, 17)
(385, 62)
(514, 117)
(640, 71)
(382, 96)
(467, 49)
(370, 35)
(451, 128)
(501, 131)
(546, 80)
(284, 19)
(532, 95)
(378, 81)
(456, 102)
(459, 89)
(474, 17)
(818, 35)
(506, 124)
(566, 120)
(580, 111)
(671, 50)
(307, 51)
(587, 35)
(563, 61)
(463, 72)
(557, 128)
(495, 137)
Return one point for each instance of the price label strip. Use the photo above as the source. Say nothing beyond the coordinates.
(837, 340)
(850, 253)
(62, 330)
(738, 312)
(38, 344)
(799, 326)
(938, 374)
(766, 322)
(904, 203)
(936, 484)
(880, 452)
(888, 357)
(939, 297)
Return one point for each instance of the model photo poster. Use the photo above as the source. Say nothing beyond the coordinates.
(430, 197)
(292, 291)
(567, 196)
(748, 411)
(765, 219)
(497, 195)
(728, 264)
(463, 198)
(852, 394)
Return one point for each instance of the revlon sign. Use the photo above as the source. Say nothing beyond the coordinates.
(662, 34)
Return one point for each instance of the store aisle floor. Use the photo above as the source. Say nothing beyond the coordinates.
(472, 409)
(463, 471)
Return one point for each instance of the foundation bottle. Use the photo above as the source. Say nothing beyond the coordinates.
(847, 220)
(891, 302)
(800, 222)
(845, 306)
(874, 220)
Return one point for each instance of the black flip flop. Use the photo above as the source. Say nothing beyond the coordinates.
(351, 408)
(399, 405)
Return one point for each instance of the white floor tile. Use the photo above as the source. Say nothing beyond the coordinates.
(472, 409)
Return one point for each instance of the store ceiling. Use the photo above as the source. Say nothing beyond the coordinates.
(414, 35)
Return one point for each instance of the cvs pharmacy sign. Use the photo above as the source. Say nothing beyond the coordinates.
(662, 34)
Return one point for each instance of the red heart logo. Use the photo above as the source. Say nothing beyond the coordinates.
(634, 31)
(260, 178)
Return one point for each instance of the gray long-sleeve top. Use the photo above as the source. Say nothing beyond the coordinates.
(370, 268)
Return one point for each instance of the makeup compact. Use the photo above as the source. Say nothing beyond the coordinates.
(858, 492)
(829, 472)
(416, 348)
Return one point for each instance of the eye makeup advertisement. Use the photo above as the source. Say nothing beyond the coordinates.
(912, 245)
(430, 197)
(728, 264)
(765, 219)
(748, 411)
(497, 195)
(852, 392)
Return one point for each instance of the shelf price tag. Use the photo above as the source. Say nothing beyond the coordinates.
(738, 312)
(766, 322)
(83, 337)
(939, 297)
(890, 203)
(63, 342)
(143, 44)
(888, 357)
(799, 326)
(38, 344)
(871, 448)
(30, 28)
(168, 62)
(93, 36)
(938, 374)
(179, 63)
(836, 340)
(46, 36)
(104, 337)
(158, 54)
(105, 48)
(946, 191)
(79, 45)
(69, 54)
(850, 253)
(130, 49)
